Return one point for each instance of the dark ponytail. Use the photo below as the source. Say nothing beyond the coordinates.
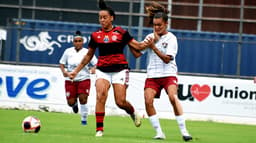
(78, 34)
(103, 6)
(156, 10)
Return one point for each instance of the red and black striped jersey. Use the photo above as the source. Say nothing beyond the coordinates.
(111, 45)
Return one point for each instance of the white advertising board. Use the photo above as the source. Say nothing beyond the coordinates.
(202, 98)
(30, 87)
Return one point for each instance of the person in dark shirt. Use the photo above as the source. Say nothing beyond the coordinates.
(112, 66)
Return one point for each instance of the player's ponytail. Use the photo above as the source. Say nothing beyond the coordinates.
(78, 34)
(156, 10)
(103, 6)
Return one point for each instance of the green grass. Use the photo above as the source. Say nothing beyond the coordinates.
(66, 128)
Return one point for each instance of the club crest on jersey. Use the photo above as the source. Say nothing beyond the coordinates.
(114, 37)
(106, 39)
(164, 45)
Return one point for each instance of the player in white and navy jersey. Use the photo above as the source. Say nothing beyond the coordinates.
(162, 70)
(79, 87)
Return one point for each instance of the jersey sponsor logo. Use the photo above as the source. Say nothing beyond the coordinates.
(106, 39)
(39, 43)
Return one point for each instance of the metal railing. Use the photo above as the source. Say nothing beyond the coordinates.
(141, 13)
(170, 4)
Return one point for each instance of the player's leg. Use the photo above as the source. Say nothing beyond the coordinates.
(102, 86)
(149, 95)
(122, 103)
(83, 108)
(71, 95)
(120, 83)
(178, 111)
(83, 91)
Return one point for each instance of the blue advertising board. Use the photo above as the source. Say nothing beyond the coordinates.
(199, 52)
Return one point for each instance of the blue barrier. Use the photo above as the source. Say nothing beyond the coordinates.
(199, 52)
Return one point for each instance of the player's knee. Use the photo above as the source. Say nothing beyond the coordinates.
(149, 100)
(83, 99)
(71, 102)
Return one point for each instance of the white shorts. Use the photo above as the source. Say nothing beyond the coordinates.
(121, 77)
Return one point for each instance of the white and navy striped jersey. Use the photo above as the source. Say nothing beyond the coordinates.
(72, 58)
(156, 68)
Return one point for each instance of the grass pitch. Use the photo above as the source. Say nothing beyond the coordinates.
(66, 128)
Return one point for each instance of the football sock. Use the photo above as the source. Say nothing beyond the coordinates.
(131, 112)
(154, 120)
(182, 125)
(84, 112)
(99, 121)
(75, 107)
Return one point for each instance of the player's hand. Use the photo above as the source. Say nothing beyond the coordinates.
(65, 74)
(93, 70)
(72, 75)
(156, 37)
(149, 41)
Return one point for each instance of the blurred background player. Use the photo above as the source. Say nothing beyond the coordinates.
(78, 87)
(112, 66)
(162, 70)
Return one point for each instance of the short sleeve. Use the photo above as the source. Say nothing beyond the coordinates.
(92, 44)
(63, 59)
(172, 48)
(127, 37)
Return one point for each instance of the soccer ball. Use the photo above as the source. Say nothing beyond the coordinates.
(31, 124)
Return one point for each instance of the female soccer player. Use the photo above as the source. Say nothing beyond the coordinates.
(112, 66)
(162, 70)
(78, 87)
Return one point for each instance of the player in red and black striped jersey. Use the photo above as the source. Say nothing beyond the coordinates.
(111, 45)
(112, 67)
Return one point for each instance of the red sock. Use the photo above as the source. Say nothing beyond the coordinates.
(99, 120)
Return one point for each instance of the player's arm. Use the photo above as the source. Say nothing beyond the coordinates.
(165, 58)
(64, 72)
(141, 45)
(93, 61)
(86, 59)
(136, 53)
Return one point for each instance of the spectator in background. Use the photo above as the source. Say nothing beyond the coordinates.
(78, 87)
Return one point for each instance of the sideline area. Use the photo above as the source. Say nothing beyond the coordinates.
(203, 98)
